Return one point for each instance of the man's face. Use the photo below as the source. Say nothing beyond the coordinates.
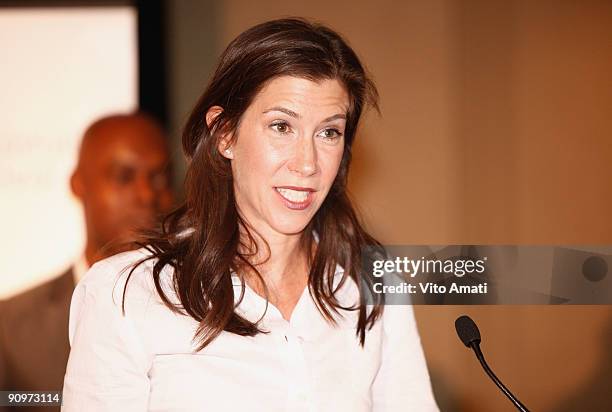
(123, 180)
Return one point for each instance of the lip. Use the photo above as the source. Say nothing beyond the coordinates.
(296, 205)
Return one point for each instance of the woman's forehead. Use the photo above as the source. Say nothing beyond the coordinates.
(300, 94)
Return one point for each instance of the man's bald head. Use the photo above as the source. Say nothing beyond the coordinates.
(121, 178)
(120, 128)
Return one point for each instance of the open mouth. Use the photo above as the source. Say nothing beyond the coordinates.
(295, 198)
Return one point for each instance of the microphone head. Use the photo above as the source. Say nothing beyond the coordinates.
(467, 330)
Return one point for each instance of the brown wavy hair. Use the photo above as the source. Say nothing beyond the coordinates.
(201, 239)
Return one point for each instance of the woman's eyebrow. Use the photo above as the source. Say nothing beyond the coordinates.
(297, 116)
(336, 116)
(283, 110)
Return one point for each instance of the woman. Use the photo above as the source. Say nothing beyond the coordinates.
(248, 298)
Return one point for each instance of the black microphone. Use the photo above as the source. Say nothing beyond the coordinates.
(470, 336)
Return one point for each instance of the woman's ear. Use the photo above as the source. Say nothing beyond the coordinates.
(224, 142)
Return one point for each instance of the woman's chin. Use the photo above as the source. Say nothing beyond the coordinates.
(290, 226)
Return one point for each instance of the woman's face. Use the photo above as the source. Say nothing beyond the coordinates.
(287, 152)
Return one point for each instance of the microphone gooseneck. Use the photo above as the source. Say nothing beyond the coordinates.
(470, 336)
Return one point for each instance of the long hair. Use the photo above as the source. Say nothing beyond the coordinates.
(202, 238)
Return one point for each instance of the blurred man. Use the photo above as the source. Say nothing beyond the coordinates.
(122, 182)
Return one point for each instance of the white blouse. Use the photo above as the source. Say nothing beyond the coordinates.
(147, 360)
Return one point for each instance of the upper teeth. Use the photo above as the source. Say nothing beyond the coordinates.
(297, 196)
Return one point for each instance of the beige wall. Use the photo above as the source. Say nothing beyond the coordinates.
(495, 129)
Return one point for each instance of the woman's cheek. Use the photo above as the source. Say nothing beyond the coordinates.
(330, 163)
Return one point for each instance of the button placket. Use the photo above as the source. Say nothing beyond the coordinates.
(298, 382)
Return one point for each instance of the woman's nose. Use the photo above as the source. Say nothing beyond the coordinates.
(304, 160)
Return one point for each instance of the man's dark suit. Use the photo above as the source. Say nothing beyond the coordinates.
(34, 343)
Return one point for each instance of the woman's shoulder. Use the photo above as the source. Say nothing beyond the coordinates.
(112, 275)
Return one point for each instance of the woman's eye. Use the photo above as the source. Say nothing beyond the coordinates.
(281, 127)
(331, 134)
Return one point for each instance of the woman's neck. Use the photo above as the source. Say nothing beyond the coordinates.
(282, 262)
